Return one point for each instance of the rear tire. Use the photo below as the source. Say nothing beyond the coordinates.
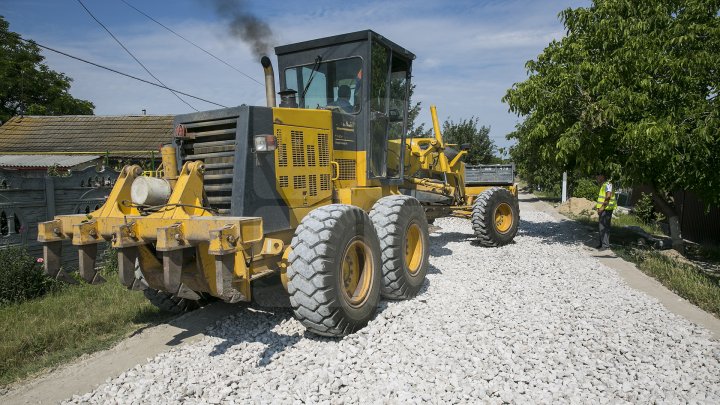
(334, 270)
(495, 217)
(402, 227)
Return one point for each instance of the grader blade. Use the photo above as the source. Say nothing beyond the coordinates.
(52, 253)
(87, 259)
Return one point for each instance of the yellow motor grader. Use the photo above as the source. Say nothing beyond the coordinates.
(325, 191)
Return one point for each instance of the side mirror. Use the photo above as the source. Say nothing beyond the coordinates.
(465, 146)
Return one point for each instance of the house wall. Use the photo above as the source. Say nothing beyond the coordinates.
(31, 196)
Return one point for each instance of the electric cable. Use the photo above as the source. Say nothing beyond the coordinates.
(119, 72)
(192, 43)
(131, 54)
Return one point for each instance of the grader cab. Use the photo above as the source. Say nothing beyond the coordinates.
(325, 191)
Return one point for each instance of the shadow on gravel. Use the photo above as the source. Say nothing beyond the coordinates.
(257, 323)
(438, 242)
(551, 232)
(431, 270)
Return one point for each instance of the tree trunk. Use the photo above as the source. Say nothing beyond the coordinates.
(673, 219)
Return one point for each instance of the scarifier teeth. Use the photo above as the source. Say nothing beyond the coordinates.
(87, 260)
(185, 292)
(127, 257)
(52, 253)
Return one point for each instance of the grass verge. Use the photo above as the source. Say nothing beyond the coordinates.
(685, 280)
(65, 324)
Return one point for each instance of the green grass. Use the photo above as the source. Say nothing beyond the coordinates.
(619, 223)
(65, 324)
(685, 280)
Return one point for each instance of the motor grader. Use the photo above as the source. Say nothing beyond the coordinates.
(326, 191)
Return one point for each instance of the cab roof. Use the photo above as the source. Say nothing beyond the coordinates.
(357, 36)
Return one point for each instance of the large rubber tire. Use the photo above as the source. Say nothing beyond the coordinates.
(402, 227)
(169, 302)
(329, 242)
(491, 212)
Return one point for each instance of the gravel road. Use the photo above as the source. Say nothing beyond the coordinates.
(536, 321)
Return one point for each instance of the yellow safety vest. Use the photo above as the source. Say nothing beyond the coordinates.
(601, 199)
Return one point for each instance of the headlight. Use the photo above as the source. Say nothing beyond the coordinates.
(265, 143)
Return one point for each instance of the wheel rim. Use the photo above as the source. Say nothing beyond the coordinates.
(357, 268)
(503, 218)
(414, 249)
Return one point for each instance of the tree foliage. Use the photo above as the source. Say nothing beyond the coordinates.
(630, 90)
(467, 131)
(28, 86)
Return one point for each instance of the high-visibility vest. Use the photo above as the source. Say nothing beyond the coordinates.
(601, 198)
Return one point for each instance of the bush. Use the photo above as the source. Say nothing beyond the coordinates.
(586, 188)
(21, 276)
(644, 208)
(109, 260)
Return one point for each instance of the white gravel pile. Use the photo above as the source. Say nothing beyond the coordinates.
(536, 321)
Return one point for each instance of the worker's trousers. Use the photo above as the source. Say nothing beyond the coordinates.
(604, 221)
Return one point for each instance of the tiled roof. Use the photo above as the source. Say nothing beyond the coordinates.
(117, 135)
(34, 161)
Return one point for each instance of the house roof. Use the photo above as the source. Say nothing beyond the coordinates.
(43, 161)
(118, 136)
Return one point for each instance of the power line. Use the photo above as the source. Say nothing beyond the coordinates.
(131, 54)
(192, 43)
(120, 73)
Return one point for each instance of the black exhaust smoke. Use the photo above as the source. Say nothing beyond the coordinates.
(242, 24)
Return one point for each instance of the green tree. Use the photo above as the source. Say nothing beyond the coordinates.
(28, 86)
(467, 131)
(413, 112)
(630, 90)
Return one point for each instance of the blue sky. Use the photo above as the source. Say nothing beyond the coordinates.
(468, 52)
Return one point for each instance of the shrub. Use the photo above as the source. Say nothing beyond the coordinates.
(644, 208)
(109, 260)
(586, 188)
(21, 276)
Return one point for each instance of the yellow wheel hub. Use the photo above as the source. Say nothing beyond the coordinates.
(503, 218)
(357, 269)
(414, 249)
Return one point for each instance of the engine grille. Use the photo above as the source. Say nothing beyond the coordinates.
(213, 142)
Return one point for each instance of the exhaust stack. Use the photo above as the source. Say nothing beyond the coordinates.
(269, 81)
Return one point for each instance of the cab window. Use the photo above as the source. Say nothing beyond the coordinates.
(333, 84)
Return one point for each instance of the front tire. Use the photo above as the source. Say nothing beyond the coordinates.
(334, 270)
(495, 217)
(404, 241)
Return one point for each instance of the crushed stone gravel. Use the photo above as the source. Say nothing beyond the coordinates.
(539, 320)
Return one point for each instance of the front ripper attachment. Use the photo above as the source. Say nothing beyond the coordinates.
(179, 246)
